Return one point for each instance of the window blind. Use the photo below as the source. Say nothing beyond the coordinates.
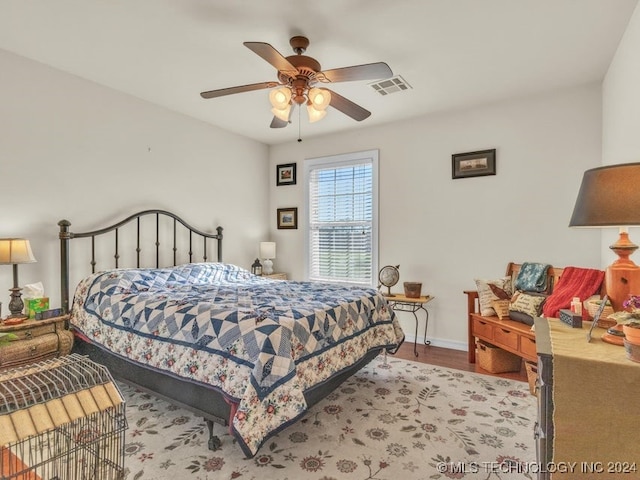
(341, 223)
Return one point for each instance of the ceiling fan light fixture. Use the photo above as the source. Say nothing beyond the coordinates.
(319, 98)
(282, 113)
(315, 114)
(280, 98)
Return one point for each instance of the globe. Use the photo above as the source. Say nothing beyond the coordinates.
(388, 277)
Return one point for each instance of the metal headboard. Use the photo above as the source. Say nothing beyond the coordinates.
(65, 236)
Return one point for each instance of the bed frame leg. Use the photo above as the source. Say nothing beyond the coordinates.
(214, 441)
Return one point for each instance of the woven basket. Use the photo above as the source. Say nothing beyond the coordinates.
(532, 376)
(496, 360)
(592, 308)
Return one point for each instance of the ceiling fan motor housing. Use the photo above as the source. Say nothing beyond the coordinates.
(299, 89)
(307, 68)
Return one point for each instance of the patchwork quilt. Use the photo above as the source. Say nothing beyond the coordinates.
(260, 342)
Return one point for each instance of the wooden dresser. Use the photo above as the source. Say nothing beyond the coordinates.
(588, 420)
(37, 340)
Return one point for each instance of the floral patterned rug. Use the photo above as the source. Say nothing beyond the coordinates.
(392, 420)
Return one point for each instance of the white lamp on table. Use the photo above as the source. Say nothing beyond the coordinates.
(267, 253)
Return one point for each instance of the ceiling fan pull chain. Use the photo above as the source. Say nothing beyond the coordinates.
(299, 136)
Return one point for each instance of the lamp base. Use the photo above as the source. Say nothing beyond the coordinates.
(622, 277)
(16, 305)
(620, 282)
(267, 266)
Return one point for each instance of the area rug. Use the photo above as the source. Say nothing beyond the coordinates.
(395, 419)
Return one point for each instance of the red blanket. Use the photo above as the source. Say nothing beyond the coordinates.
(574, 282)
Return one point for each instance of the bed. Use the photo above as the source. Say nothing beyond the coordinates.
(244, 351)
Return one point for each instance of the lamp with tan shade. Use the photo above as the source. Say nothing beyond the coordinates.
(14, 251)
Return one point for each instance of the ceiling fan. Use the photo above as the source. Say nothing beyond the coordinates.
(297, 78)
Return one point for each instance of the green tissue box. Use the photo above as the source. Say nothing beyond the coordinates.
(34, 305)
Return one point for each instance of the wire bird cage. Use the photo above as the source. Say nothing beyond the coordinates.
(61, 419)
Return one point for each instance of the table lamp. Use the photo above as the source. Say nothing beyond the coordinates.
(610, 197)
(267, 252)
(14, 251)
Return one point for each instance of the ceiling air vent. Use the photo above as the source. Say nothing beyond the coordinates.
(390, 85)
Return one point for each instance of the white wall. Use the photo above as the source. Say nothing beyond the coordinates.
(621, 99)
(621, 115)
(446, 232)
(72, 149)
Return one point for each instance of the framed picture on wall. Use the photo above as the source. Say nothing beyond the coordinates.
(288, 217)
(286, 174)
(473, 164)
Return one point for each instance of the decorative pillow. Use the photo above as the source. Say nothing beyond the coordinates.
(527, 304)
(501, 307)
(532, 277)
(486, 296)
(521, 317)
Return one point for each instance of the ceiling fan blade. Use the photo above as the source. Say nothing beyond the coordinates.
(239, 89)
(278, 123)
(347, 107)
(369, 71)
(271, 55)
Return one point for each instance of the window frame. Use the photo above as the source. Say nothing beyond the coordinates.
(338, 161)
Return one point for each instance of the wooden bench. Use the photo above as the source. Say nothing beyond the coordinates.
(512, 336)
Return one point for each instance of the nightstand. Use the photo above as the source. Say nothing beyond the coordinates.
(37, 340)
(401, 303)
(276, 276)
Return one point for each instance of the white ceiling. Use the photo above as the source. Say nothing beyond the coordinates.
(454, 53)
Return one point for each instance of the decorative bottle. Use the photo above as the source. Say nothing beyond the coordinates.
(576, 305)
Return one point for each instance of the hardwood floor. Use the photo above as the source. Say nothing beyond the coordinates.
(456, 359)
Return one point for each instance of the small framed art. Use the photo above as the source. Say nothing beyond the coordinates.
(473, 164)
(288, 217)
(286, 174)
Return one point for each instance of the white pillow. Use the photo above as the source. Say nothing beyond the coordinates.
(486, 296)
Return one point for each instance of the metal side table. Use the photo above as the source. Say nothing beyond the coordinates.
(401, 303)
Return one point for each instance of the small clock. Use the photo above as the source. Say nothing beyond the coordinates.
(388, 277)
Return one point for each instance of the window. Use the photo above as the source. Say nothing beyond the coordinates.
(341, 221)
